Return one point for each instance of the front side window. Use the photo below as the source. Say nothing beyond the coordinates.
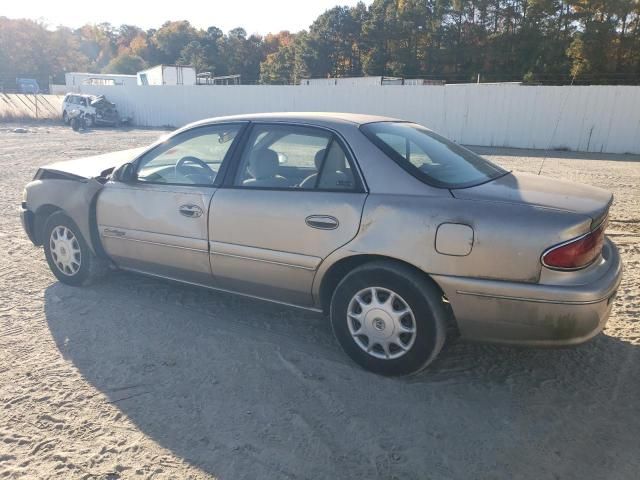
(429, 156)
(191, 158)
(293, 157)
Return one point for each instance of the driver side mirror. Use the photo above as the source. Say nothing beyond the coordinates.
(125, 173)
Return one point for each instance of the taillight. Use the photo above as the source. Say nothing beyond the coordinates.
(576, 253)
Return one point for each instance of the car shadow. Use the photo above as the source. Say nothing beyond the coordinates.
(245, 389)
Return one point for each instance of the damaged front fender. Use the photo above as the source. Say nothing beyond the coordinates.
(76, 198)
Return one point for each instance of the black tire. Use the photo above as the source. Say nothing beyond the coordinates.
(91, 268)
(65, 118)
(416, 290)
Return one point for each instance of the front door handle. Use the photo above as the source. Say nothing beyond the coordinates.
(323, 222)
(190, 210)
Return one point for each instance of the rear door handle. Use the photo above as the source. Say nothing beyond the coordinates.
(323, 222)
(190, 210)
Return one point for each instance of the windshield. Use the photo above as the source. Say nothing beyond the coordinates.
(430, 157)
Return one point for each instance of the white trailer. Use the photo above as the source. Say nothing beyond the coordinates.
(167, 75)
(73, 80)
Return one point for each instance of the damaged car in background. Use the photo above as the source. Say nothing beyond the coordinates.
(400, 236)
(93, 109)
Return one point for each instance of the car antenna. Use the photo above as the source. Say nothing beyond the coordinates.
(555, 129)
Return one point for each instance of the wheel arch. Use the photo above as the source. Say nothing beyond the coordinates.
(40, 219)
(337, 271)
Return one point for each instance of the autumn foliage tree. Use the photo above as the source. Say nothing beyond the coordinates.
(548, 41)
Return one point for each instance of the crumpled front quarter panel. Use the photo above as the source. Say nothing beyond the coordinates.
(74, 197)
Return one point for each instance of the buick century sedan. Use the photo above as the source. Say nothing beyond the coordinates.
(398, 235)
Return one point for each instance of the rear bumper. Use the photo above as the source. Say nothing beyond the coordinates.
(534, 314)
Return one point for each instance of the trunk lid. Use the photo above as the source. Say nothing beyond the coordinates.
(545, 192)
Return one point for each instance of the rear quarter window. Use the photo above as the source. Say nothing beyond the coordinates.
(430, 157)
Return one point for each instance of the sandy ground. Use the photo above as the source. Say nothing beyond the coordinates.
(141, 378)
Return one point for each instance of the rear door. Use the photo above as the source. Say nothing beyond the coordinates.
(293, 198)
(158, 223)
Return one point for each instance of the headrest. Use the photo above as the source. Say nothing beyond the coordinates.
(263, 163)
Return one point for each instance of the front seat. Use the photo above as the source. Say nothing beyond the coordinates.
(263, 167)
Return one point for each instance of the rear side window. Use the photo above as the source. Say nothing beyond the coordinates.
(430, 157)
(289, 157)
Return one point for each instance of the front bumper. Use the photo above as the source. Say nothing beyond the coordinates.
(535, 314)
(106, 121)
(27, 218)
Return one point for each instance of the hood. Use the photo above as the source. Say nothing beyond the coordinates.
(89, 167)
(534, 190)
(102, 102)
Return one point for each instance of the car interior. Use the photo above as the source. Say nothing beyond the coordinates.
(291, 160)
(279, 158)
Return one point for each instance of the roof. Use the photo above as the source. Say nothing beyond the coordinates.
(161, 65)
(302, 117)
(118, 75)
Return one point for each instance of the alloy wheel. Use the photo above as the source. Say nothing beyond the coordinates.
(381, 323)
(65, 250)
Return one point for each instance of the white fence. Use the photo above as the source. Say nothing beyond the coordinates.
(19, 106)
(593, 118)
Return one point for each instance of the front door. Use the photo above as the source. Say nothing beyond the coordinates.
(158, 223)
(294, 198)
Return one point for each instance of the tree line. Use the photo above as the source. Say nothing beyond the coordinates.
(546, 41)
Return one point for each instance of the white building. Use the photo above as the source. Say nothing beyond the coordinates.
(167, 75)
(368, 81)
(353, 81)
(76, 79)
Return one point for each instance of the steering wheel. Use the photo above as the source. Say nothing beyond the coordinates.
(182, 170)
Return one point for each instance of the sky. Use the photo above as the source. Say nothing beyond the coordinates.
(257, 16)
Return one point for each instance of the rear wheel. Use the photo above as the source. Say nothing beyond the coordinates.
(389, 318)
(65, 117)
(68, 255)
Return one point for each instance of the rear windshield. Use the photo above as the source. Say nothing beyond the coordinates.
(430, 157)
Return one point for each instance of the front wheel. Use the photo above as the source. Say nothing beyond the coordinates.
(76, 123)
(68, 255)
(389, 318)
